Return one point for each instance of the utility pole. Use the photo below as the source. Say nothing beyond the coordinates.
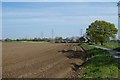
(118, 21)
(41, 35)
(52, 35)
(81, 32)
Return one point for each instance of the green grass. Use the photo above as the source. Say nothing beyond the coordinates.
(118, 49)
(85, 45)
(111, 45)
(100, 64)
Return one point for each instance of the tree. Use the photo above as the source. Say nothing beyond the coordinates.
(101, 31)
(8, 40)
(58, 39)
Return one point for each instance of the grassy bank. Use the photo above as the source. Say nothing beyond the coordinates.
(114, 46)
(118, 49)
(101, 64)
(111, 45)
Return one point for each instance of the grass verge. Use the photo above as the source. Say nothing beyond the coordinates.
(118, 49)
(101, 64)
(111, 44)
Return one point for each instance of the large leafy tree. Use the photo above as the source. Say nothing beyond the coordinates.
(101, 31)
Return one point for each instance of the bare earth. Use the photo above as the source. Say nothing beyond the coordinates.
(40, 60)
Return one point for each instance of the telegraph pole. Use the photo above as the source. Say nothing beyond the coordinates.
(52, 35)
(118, 21)
(41, 35)
(81, 32)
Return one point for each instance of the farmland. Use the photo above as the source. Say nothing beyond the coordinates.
(40, 60)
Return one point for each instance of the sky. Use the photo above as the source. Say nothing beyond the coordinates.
(30, 19)
(59, 0)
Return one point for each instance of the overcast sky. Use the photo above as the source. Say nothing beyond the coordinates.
(28, 20)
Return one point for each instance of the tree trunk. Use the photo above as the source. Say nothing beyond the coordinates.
(101, 42)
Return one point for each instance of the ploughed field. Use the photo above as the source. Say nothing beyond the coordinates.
(40, 60)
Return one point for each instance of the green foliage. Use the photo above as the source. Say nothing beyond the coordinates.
(58, 39)
(34, 39)
(111, 44)
(101, 31)
(101, 64)
(118, 49)
(118, 42)
(85, 45)
(7, 40)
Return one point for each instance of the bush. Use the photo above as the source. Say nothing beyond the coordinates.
(118, 49)
(8, 40)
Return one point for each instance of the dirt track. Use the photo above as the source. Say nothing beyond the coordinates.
(38, 60)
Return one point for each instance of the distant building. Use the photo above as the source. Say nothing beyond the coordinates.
(84, 39)
(119, 20)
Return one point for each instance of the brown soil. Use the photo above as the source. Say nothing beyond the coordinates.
(40, 60)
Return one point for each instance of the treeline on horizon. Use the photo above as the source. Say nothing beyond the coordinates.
(56, 39)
